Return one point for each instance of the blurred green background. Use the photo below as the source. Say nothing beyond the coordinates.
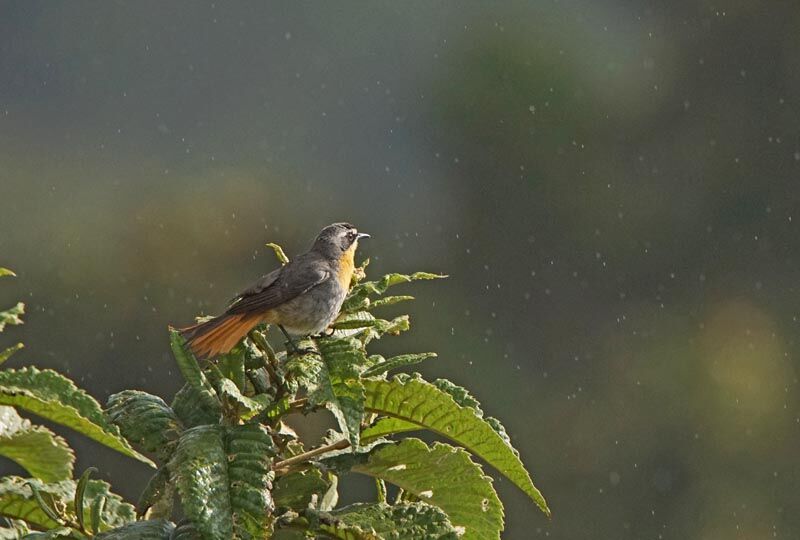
(613, 186)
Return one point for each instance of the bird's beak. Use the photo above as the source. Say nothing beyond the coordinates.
(361, 235)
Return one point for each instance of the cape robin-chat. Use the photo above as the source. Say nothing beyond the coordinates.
(303, 297)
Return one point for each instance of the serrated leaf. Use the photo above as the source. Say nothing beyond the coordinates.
(352, 323)
(6, 354)
(320, 525)
(53, 534)
(231, 366)
(116, 512)
(393, 327)
(199, 469)
(56, 398)
(367, 327)
(358, 298)
(440, 475)
(46, 506)
(247, 407)
(389, 300)
(144, 419)
(427, 406)
(186, 530)
(193, 409)
(345, 360)
(17, 501)
(249, 449)
(332, 380)
(418, 520)
(38, 450)
(154, 529)
(296, 490)
(396, 362)
(224, 479)
(12, 315)
(156, 500)
(192, 373)
(380, 286)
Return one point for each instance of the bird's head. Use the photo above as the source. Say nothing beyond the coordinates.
(338, 239)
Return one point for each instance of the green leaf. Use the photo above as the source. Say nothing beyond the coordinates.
(155, 529)
(96, 517)
(344, 360)
(156, 501)
(278, 252)
(231, 366)
(393, 327)
(313, 524)
(17, 501)
(245, 406)
(45, 505)
(249, 448)
(386, 426)
(61, 532)
(395, 362)
(186, 530)
(358, 298)
(296, 490)
(396, 522)
(144, 419)
(389, 300)
(56, 398)
(443, 476)
(116, 512)
(389, 280)
(6, 354)
(6, 272)
(333, 381)
(224, 477)
(12, 315)
(192, 372)
(351, 323)
(199, 469)
(193, 409)
(38, 450)
(79, 501)
(421, 403)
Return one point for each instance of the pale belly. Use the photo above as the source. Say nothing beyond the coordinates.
(312, 312)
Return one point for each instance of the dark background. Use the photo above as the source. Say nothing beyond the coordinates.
(613, 187)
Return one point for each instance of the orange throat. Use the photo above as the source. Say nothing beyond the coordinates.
(346, 266)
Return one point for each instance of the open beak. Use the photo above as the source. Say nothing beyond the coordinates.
(361, 235)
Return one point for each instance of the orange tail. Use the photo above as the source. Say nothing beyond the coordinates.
(219, 335)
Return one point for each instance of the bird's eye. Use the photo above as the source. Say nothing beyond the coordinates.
(351, 235)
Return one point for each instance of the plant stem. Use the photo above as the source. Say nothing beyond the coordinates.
(311, 454)
(266, 349)
(263, 345)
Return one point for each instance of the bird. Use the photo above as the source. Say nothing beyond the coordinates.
(302, 297)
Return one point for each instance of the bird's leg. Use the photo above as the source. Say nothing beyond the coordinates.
(293, 345)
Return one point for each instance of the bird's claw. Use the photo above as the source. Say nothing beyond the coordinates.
(305, 350)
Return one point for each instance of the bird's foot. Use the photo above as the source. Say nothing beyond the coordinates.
(325, 333)
(303, 350)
